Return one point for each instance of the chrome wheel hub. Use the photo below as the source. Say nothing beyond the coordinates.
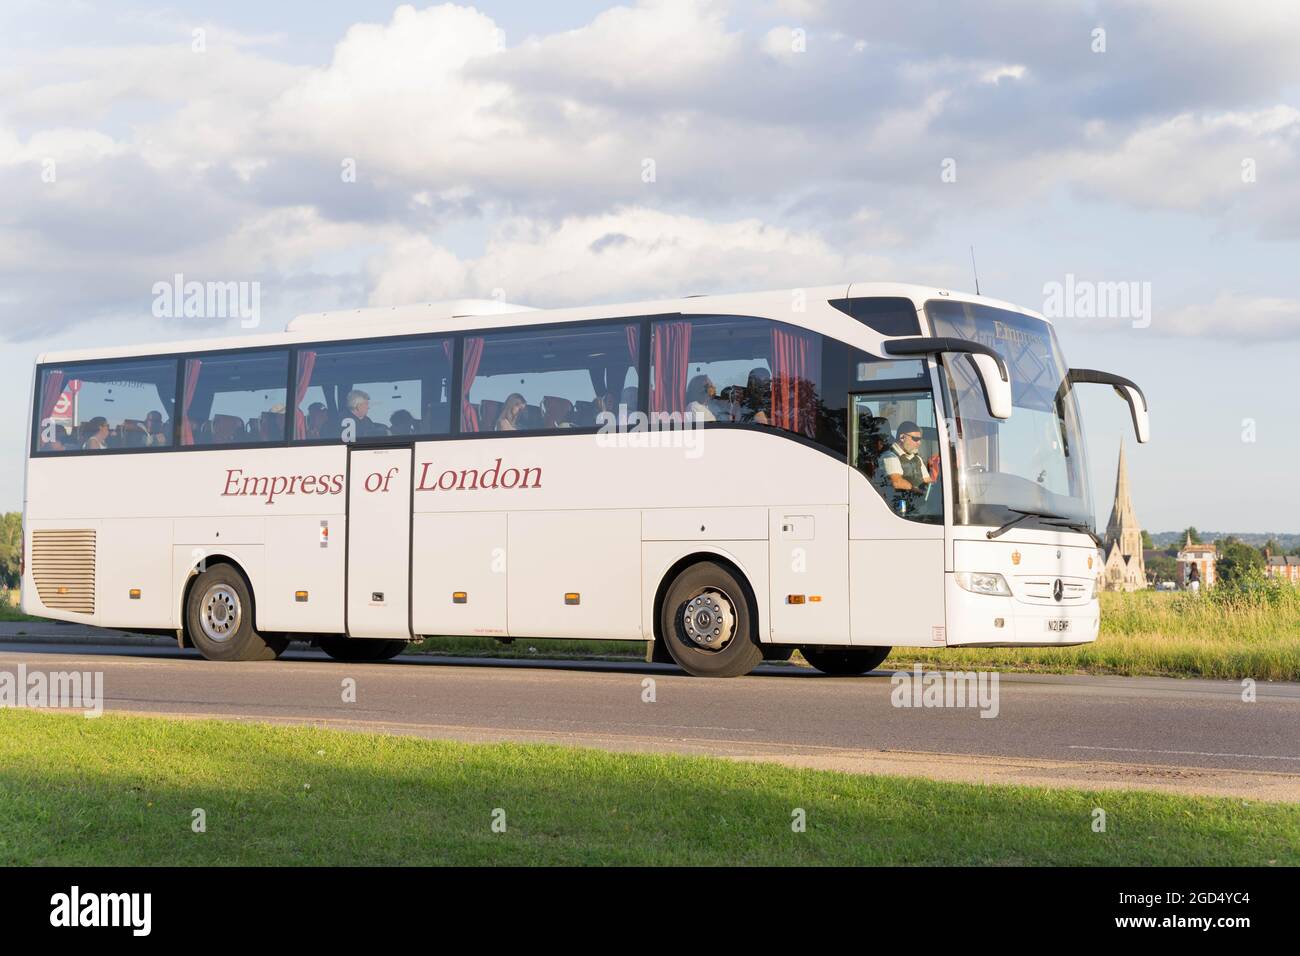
(709, 620)
(220, 613)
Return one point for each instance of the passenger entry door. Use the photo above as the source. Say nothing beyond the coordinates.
(896, 539)
(379, 542)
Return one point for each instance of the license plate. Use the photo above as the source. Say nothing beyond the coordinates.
(1058, 625)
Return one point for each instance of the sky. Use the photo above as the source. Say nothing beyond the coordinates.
(364, 153)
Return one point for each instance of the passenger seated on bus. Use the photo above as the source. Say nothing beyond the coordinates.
(94, 433)
(317, 418)
(508, 420)
(556, 412)
(58, 440)
(359, 409)
(227, 429)
(131, 434)
(403, 422)
(700, 395)
(630, 398)
(758, 396)
(155, 431)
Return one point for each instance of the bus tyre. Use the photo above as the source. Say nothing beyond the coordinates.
(356, 651)
(845, 661)
(708, 623)
(219, 619)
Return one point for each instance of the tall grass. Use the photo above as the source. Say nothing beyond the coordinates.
(1250, 630)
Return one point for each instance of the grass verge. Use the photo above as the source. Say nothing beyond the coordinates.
(123, 790)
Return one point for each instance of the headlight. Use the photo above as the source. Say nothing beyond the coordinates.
(983, 582)
(1096, 587)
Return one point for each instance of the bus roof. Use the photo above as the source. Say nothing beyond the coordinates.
(807, 308)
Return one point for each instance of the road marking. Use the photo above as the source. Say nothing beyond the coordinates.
(1182, 753)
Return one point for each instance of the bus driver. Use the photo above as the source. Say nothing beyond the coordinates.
(903, 469)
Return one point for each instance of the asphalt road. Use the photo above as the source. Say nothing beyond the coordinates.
(1189, 735)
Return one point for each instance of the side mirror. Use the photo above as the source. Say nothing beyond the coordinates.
(988, 364)
(1125, 389)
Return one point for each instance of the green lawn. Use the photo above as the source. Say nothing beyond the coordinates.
(122, 790)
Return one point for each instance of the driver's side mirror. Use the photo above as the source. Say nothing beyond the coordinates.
(1126, 389)
(995, 379)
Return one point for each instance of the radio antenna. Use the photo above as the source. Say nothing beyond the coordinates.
(974, 270)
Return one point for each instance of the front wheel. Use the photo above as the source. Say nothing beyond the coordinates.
(219, 619)
(356, 650)
(845, 661)
(708, 624)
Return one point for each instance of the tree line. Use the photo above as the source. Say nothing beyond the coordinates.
(1236, 561)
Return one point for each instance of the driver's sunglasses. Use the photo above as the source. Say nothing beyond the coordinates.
(915, 438)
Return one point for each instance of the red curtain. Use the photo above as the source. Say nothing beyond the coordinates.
(634, 343)
(51, 389)
(795, 373)
(306, 363)
(670, 353)
(473, 357)
(192, 367)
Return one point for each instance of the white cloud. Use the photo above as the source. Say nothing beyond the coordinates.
(622, 255)
(1239, 319)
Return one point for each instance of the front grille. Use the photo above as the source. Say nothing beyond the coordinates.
(1037, 589)
(63, 567)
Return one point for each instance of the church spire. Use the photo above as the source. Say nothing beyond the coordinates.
(1125, 568)
(1122, 517)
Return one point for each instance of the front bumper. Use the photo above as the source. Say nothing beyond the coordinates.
(972, 620)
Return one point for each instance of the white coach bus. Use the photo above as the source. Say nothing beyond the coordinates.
(840, 470)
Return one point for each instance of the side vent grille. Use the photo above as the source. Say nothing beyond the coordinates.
(63, 566)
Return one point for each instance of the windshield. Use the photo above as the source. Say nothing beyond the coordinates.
(1035, 460)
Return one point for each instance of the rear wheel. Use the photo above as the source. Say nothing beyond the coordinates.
(845, 661)
(355, 650)
(708, 624)
(219, 619)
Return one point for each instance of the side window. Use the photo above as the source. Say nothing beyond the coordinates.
(887, 315)
(128, 403)
(394, 388)
(735, 369)
(895, 444)
(232, 399)
(548, 378)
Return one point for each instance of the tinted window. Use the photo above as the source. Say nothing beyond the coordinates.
(392, 388)
(872, 372)
(552, 378)
(888, 316)
(233, 399)
(736, 369)
(129, 403)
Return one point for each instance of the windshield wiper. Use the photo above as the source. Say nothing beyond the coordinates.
(1079, 526)
(996, 532)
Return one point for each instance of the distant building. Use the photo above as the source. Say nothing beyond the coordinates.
(1125, 569)
(1285, 567)
(1196, 562)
